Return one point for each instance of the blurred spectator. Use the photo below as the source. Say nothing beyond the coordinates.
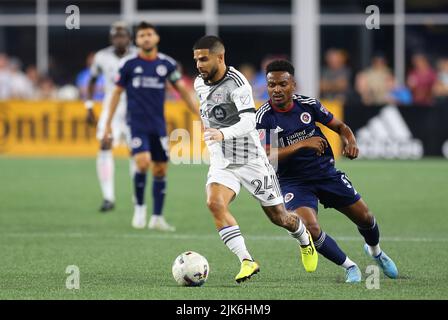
(335, 80)
(396, 94)
(421, 80)
(21, 86)
(440, 89)
(47, 89)
(5, 88)
(249, 72)
(373, 83)
(33, 76)
(82, 81)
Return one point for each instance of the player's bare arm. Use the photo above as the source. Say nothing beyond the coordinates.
(316, 143)
(180, 86)
(107, 139)
(91, 119)
(350, 148)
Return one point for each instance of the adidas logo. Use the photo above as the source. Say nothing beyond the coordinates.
(388, 136)
(271, 197)
(138, 69)
(278, 129)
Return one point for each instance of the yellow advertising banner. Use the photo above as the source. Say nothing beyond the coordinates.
(59, 128)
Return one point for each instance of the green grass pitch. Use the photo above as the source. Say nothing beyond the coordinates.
(49, 220)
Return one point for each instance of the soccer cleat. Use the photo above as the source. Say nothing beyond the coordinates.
(139, 219)
(309, 255)
(107, 206)
(248, 269)
(384, 262)
(159, 223)
(353, 274)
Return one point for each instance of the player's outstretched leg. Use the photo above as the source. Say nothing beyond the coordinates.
(327, 246)
(291, 222)
(218, 199)
(368, 228)
(157, 220)
(105, 173)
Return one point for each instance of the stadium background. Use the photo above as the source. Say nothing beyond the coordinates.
(398, 110)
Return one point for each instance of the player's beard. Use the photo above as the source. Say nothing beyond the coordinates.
(211, 74)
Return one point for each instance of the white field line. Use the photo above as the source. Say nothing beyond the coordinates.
(176, 236)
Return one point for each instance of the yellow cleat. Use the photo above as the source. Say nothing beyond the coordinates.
(248, 269)
(309, 255)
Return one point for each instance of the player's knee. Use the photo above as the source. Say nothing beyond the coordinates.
(143, 165)
(314, 229)
(217, 206)
(158, 171)
(105, 145)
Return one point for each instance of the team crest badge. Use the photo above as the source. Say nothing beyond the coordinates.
(218, 97)
(161, 70)
(136, 143)
(288, 197)
(305, 117)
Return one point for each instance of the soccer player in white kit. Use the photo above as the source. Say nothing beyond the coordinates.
(107, 62)
(237, 157)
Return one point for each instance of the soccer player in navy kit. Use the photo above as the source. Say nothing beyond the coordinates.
(144, 77)
(306, 168)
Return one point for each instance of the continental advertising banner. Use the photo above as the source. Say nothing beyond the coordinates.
(56, 128)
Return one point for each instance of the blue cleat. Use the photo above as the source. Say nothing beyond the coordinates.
(353, 274)
(384, 262)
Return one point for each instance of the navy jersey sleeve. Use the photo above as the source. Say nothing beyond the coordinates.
(173, 72)
(123, 75)
(321, 114)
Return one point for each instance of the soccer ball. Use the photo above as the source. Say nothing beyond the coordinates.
(190, 269)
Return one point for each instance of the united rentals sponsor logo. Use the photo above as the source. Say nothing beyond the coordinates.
(388, 136)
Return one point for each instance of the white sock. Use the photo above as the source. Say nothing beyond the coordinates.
(374, 250)
(235, 242)
(300, 234)
(348, 263)
(132, 168)
(105, 172)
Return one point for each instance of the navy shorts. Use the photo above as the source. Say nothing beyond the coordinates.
(333, 192)
(152, 143)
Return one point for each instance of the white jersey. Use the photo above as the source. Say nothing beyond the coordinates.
(221, 104)
(106, 62)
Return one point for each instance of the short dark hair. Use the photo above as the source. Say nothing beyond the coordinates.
(145, 25)
(213, 43)
(280, 65)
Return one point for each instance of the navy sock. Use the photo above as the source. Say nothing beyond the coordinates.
(327, 247)
(371, 235)
(158, 194)
(139, 187)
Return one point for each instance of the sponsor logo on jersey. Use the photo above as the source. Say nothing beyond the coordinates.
(288, 197)
(219, 113)
(305, 117)
(161, 70)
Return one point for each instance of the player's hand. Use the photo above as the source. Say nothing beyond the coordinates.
(350, 150)
(107, 138)
(91, 119)
(212, 134)
(316, 143)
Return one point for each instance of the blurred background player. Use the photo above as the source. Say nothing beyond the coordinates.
(106, 63)
(144, 77)
(306, 168)
(237, 157)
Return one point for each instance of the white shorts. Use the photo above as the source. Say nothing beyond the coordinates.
(258, 177)
(121, 133)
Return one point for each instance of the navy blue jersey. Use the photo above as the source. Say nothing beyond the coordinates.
(295, 124)
(144, 81)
